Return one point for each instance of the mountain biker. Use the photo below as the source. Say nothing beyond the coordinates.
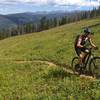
(83, 45)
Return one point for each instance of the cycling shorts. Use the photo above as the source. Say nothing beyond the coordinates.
(80, 50)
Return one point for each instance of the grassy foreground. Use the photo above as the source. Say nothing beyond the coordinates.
(39, 81)
(36, 81)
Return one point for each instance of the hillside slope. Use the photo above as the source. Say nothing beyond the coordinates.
(6, 23)
(22, 79)
(55, 44)
(11, 20)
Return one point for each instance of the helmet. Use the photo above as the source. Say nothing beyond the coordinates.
(87, 31)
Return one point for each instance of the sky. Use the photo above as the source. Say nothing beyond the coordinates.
(19, 6)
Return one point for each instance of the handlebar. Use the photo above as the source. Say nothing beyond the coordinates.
(96, 48)
(93, 49)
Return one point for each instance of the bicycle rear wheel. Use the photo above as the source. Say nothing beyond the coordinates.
(94, 67)
(75, 65)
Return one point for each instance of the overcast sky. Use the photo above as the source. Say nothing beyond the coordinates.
(18, 6)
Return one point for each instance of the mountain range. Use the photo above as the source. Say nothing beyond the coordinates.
(12, 20)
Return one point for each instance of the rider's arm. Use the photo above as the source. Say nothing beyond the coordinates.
(93, 45)
(79, 42)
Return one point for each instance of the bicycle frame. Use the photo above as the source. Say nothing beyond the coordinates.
(87, 58)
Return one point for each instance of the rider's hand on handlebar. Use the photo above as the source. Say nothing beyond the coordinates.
(90, 47)
(96, 48)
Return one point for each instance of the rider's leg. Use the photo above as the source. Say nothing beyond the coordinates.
(78, 51)
(85, 57)
(83, 54)
(81, 58)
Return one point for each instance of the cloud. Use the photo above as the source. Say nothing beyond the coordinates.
(86, 3)
(77, 2)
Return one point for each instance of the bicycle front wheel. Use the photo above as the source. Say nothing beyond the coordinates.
(94, 67)
(75, 65)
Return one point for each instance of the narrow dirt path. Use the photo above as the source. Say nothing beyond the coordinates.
(37, 61)
(50, 64)
(54, 65)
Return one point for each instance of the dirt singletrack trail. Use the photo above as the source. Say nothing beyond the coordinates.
(55, 65)
(37, 61)
(49, 64)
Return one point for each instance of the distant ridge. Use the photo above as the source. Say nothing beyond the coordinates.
(11, 20)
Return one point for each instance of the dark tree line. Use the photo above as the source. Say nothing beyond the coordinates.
(46, 23)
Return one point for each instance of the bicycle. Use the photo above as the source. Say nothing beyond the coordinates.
(91, 65)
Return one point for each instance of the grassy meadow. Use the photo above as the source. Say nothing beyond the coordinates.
(40, 81)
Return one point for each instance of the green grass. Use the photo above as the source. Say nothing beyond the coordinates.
(39, 81)
(36, 81)
(55, 44)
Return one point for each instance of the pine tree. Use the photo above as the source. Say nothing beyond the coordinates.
(42, 25)
(55, 22)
